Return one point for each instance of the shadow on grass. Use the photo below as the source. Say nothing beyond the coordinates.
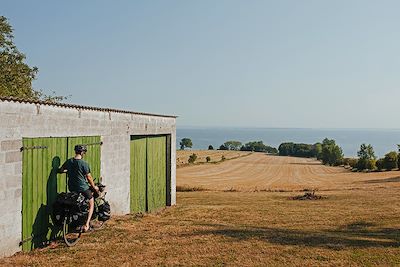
(357, 234)
(387, 180)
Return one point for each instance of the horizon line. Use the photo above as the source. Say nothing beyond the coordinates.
(271, 127)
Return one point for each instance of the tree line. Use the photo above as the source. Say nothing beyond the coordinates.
(368, 161)
(331, 154)
(256, 146)
(327, 151)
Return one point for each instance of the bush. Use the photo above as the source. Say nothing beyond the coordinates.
(210, 147)
(352, 162)
(366, 164)
(371, 164)
(192, 158)
(339, 162)
(380, 164)
(208, 159)
(390, 161)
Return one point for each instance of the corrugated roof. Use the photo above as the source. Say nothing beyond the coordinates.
(65, 105)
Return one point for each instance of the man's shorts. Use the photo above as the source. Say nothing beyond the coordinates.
(88, 194)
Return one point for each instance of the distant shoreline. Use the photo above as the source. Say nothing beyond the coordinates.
(383, 140)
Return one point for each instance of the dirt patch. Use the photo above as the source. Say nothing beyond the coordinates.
(308, 196)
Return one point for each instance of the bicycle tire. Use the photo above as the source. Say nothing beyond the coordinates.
(71, 236)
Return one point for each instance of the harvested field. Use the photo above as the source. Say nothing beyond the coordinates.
(273, 173)
(356, 223)
(182, 156)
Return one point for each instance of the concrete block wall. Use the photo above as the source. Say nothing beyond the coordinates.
(19, 120)
(10, 195)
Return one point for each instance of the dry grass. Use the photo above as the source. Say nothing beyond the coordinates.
(182, 156)
(357, 228)
(352, 226)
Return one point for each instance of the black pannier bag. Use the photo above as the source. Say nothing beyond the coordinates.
(76, 204)
(104, 211)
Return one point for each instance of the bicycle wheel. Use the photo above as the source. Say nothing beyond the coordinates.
(71, 234)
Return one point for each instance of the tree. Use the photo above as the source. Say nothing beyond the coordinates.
(366, 152)
(366, 158)
(286, 149)
(210, 147)
(300, 150)
(390, 161)
(318, 150)
(258, 146)
(15, 75)
(185, 142)
(398, 156)
(222, 147)
(232, 145)
(331, 154)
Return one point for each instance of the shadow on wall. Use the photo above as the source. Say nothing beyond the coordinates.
(43, 229)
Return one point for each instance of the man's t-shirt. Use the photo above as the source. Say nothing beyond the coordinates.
(77, 171)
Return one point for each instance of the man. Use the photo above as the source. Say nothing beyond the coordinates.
(80, 180)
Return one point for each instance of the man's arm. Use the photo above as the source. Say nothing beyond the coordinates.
(63, 169)
(91, 183)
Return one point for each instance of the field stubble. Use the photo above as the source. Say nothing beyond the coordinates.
(260, 172)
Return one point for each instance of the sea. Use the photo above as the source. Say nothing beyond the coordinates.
(382, 140)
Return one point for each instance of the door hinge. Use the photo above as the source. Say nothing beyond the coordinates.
(25, 240)
(32, 147)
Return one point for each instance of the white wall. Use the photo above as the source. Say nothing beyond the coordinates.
(18, 120)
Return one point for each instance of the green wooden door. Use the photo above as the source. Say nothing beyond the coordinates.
(148, 173)
(156, 172)
(40, 183)
(92, 156)
(138, 174)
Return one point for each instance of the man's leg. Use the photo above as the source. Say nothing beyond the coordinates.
(91, 208)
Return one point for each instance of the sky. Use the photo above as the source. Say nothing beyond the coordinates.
(295, 64)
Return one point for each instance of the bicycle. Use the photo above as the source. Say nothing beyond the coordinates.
(75, 216)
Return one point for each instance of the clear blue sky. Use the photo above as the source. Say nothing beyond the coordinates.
(331, 64)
